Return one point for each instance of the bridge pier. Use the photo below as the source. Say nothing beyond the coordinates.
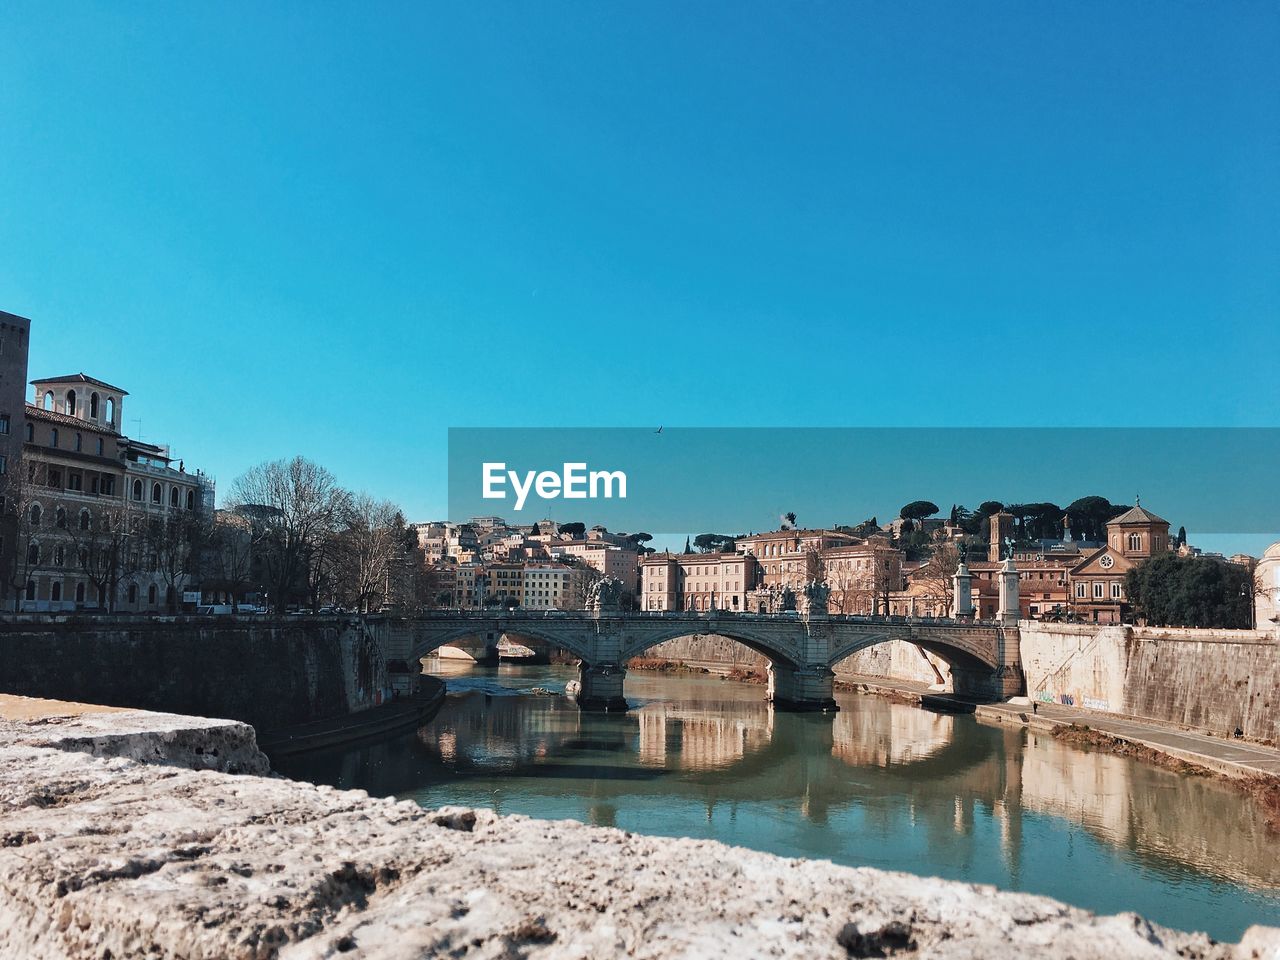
(599, 688)
(801, 688)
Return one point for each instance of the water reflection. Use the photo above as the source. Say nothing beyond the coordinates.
(879, 784)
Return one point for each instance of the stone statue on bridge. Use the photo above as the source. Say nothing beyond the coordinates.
(605, 594)
(816, 593)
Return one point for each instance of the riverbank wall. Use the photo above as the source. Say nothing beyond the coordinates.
(105, 854)
(264, 671)
(1224, 682)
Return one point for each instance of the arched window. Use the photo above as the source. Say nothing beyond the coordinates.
(151, 594)
(137, 489)
(35, 514)
(55, 592)
(33, 554)
(31, 589)
(133, 593)
(173, 497)
(60, 518)
(1135, 541)
(79, 593)
(84, 520)
(111, 410)
(157, 495)
(31, 433)
(191, 499)
(71, 403)
(48, 400)
(93, 406)
(53, 437)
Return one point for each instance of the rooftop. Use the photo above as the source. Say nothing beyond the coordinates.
(1137, 515)
(81, 378)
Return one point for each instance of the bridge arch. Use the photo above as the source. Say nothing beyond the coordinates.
(970, 653)
(773, 650)
(425, 643)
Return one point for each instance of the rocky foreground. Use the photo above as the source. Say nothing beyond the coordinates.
(123, 835)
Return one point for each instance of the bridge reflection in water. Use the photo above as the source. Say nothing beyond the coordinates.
(876, 784)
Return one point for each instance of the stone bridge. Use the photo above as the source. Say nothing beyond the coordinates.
(801, 648)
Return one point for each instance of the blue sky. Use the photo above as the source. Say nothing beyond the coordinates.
(338, 230)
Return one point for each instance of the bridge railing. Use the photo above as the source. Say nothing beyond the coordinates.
(517, 613)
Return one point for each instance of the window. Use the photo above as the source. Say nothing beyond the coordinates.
(137, 489)
(31, 433)
(108, 486)
(173, 497)
(31, 589)
(111, 418)
(53, 437)
(84, 520)
(33, 554)
(75, 481)
(156, 493)
(60, 518)
(151, 594)
(1097, 590)
(79, 593)
(71, 403)
(1116, 590)
(99, 446)
(55, 479)
(35, 514)
(55, 592)
(4, 423)
(133, 588)
(4, 464)
(79, 442)
(93, 407)
(1135, 541)
(1080, 590)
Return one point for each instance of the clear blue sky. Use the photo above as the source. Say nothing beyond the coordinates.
(337, 230)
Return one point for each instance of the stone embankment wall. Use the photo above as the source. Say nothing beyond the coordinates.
(264, 671)
(894, 659)
(1222, 681)
(107, 856)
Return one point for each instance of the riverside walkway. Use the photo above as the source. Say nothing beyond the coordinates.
(1233, 758)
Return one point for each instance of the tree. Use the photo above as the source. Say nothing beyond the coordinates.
(534, 531)
(1173, 591)
(226, 563)
(174, 543)
(573, 530)
(989, 507)
(711, 542)
(936, 576)
(294, 506)
(788, 521)
(371, 540)
(687, 547)
(1089, 516)
(918, 510)
(1182, 536)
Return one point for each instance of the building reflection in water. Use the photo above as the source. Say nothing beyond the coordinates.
(880, 783)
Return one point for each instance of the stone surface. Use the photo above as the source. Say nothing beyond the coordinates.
(106, 856)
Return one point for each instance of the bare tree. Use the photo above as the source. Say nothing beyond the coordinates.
(295, 505)
(226, 562)
(173, 543)
(371, 541)
(19, 490)
(104, 550)
(936, 576)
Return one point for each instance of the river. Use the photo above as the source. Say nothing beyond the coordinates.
(877, 784)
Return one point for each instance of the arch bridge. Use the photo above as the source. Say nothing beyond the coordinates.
(801, 648)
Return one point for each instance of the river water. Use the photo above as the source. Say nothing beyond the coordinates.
(877, 784)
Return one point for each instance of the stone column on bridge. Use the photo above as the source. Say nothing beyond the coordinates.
(962, 592)
(1010, 606)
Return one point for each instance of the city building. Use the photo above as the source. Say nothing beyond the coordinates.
(607, 559)
(698, 581)
(1097, 582)
(14, 334)
(1267, 590)
(103, 521)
